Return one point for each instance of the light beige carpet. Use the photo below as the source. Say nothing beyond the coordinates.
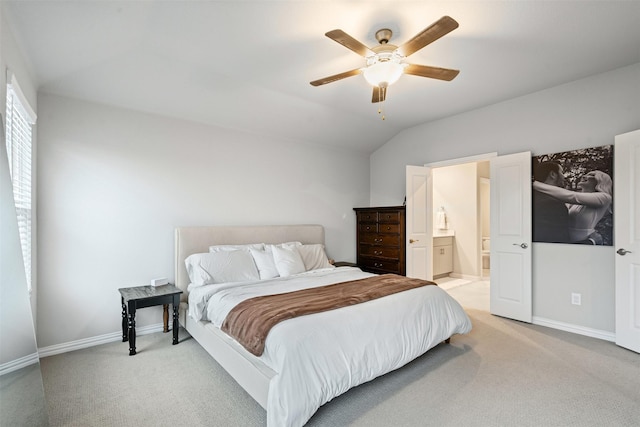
(504, 373)
(22, 398)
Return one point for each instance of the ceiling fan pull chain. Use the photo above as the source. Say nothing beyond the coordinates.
(381, 103)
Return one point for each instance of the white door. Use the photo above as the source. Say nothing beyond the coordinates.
(510, 292)
(627, 239)
(418, 223)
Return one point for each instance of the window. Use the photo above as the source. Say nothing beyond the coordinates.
(20, 119)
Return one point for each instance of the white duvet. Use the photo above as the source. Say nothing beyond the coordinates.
(320, 356)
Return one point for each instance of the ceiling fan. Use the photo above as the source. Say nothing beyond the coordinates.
(384, 63)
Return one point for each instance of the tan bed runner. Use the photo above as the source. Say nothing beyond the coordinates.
(250, 321)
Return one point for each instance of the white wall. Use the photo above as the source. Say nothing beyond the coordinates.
(114, 183)
(11, 57)
(584, 113)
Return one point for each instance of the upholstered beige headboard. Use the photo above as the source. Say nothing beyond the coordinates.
(192, 240)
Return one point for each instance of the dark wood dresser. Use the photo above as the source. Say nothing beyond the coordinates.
(381, 239)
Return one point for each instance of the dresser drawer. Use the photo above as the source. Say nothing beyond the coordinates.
(442, 241)
(368, 227)
(393, 217)
(388, 228)
(380, 239)
(369, 216)
(388, 252)
(375, 264)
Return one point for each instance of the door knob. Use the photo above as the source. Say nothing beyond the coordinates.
(522, 245)
(411, 240)
(623, 252)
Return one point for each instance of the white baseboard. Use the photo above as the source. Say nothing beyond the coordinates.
(92, 341)
(20, 363)
(581, 330)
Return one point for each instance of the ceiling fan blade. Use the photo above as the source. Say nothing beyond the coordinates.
(432, 72)
(336, 77)
(349, 42)
(379, 94)
(443, 26)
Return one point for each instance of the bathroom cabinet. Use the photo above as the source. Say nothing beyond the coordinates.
(442, 255)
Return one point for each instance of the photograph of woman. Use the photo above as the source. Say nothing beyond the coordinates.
(581, 182)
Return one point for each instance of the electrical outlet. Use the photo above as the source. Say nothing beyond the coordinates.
(576, 299)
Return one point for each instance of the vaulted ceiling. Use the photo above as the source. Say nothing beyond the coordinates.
(247, 64)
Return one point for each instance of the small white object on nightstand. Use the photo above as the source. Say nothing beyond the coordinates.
(159, 282)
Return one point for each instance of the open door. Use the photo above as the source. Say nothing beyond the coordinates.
(627, 239)
(510, 294)
(418, 223)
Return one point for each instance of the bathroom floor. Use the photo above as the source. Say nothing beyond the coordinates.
(470, 294)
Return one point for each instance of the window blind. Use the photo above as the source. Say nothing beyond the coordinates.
(20, 119)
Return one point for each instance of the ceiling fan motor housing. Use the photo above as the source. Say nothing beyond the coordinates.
(384, 35)
(384, 53)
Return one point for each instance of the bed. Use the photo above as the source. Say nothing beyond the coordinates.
(308, 360)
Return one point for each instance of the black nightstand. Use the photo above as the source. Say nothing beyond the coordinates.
(345, 264)
(147, 296)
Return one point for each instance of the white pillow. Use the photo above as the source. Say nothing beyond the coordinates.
(219, 248)
(265, 263)
(287, 260)
(314, 257)
(221, 267)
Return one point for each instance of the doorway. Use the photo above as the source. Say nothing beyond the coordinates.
(460, 201)
(510, 200)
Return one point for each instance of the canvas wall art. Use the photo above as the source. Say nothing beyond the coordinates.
(572, 197)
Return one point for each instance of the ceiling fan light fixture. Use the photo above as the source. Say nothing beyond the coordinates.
(383, 73)
(385, 62)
